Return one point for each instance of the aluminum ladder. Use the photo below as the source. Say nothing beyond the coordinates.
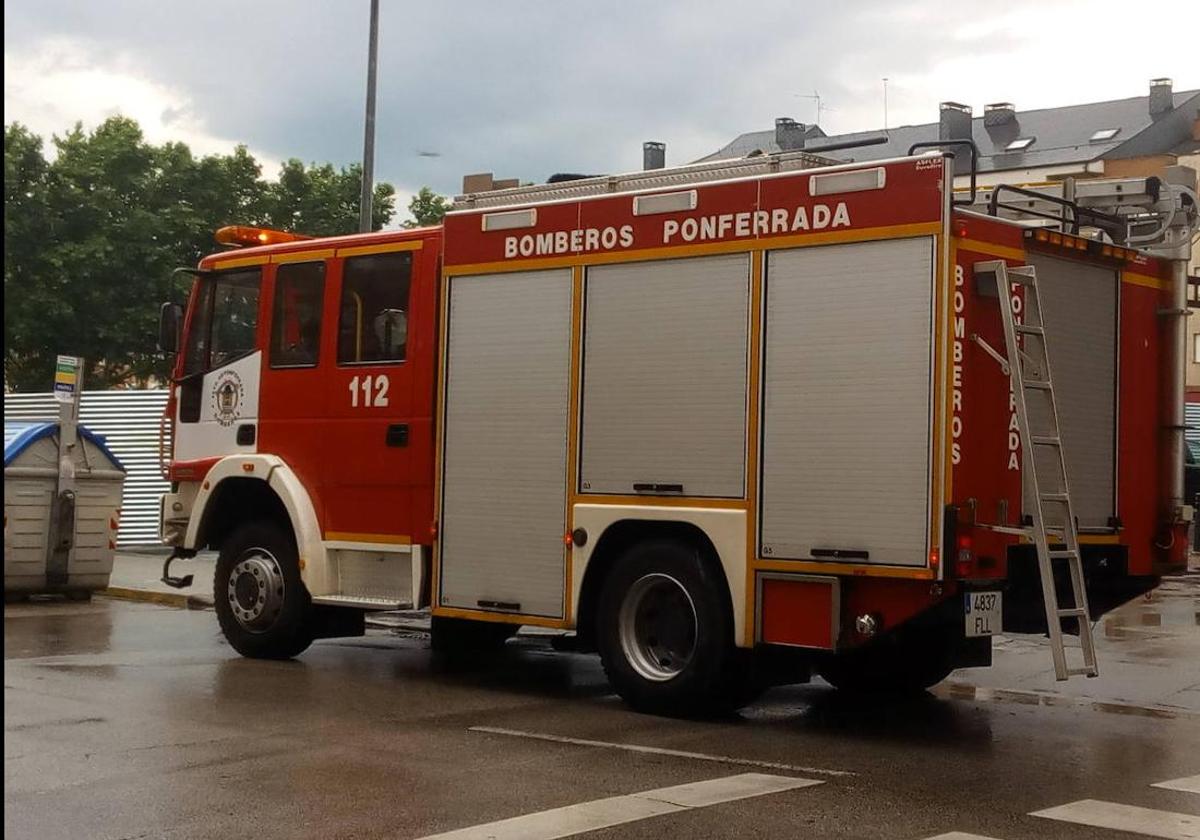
(1027, 365)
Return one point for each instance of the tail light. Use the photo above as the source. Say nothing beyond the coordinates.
(964, 557)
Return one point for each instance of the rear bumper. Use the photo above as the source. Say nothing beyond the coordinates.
(1105, 570)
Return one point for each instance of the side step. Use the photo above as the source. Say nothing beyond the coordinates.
(362, 602)
(367, 577)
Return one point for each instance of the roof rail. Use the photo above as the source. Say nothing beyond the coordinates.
(1158, 215)
(971, 147)
(647, 179)
(1116, 227)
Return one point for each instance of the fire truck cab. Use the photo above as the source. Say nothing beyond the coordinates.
(726, 424)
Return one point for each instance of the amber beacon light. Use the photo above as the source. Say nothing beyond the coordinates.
(242, 235)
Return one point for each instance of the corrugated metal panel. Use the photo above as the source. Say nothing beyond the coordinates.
(1192, 412)
(1080, 303)
(129, 422)
(846, 417)
(664, 376)
(504, 474)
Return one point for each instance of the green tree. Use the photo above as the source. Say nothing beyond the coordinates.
(91, 239)
(26, 230)
(426, 208)
(323, 201)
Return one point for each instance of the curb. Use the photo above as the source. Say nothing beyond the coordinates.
(150, 596)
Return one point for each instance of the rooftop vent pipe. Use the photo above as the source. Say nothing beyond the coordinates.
(654, 155)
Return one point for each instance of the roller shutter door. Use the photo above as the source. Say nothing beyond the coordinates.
(664, 382)
(846, 402)
(1080, 303)
(504, 461)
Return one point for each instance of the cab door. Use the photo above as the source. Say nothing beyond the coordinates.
(300, 349)
(218, 391)
(378, 443)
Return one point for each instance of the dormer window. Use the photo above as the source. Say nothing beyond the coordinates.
(1020, 144)
(1104, 134)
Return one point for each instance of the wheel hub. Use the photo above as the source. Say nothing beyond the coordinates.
(255, 591)
(657, 626)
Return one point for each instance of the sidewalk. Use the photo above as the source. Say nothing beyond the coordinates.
(136, 577)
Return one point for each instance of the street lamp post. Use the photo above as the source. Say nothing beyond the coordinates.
(368, 167)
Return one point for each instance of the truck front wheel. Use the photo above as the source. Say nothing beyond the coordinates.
(261, 603)
(665, 633)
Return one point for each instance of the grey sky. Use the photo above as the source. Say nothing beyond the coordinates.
(526, 88)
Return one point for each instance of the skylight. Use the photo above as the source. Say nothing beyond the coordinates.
(1019, 144)
(1105, 134)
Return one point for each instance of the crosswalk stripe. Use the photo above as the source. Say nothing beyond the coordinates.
(617, 810)
(1135, 820)
(1189, 784)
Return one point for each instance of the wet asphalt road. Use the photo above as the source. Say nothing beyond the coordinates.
(131, 720)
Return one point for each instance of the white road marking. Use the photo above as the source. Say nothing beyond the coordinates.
(639, 748)
(960, 835)
(617, 810)
(1191, 784)
(1147, 821)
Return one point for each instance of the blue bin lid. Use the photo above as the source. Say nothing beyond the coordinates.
(19, 435)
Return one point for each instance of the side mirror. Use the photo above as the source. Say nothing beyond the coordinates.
(170, 327)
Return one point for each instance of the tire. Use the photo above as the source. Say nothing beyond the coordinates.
(906, 664)
(259, 558)
(463, 637)
(665, 633)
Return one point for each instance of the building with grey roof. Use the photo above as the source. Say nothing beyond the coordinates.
(1117, 138)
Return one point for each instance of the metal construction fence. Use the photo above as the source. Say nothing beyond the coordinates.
(129, 422)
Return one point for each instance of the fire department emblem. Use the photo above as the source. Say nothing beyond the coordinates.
(227, 398)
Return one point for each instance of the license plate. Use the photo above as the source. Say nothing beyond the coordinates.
(983, 611)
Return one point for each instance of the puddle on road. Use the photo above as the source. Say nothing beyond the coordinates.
(964, 691)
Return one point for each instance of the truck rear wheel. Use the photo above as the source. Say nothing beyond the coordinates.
(665, 633)
(261, 603)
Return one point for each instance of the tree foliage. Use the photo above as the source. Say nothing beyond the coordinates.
(426, 208)
(91, 239)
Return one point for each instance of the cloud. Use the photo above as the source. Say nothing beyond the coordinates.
(58, 81)
(527, 88)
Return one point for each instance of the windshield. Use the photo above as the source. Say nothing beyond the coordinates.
(224, 325)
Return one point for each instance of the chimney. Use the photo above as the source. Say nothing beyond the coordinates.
(999, 113)
(654, 155)
(1161, 100)
(482, 182)
(789, 134)
(954, 121)
(477, 183)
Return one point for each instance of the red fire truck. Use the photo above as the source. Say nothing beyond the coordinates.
(727, 424)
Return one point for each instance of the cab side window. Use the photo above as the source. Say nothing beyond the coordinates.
(296, 314)
(373, 322)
